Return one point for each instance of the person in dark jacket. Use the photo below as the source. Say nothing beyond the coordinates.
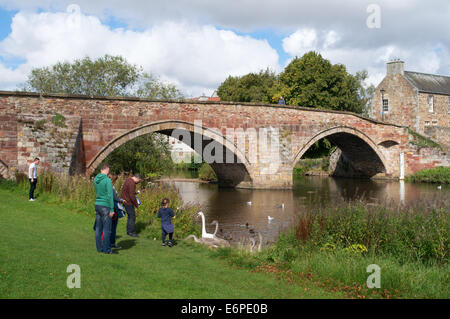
(166, 214)
(129, 194)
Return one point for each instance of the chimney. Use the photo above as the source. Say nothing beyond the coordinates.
(395, 67)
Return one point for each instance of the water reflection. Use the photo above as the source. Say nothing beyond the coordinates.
(240, 220)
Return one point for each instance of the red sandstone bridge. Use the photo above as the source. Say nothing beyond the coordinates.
(92, 127)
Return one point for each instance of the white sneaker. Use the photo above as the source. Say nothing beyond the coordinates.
(31, 199)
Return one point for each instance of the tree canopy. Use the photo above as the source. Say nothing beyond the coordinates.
(313, 81)
(105, 76)
(252, 87)
(309, 81)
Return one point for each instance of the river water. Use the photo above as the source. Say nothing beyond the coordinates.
(242, 213)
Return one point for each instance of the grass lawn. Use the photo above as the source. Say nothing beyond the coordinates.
(39, 240)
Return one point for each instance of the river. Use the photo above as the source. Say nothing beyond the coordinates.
(242, 213)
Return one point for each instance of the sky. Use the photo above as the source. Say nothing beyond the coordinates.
(197, 44)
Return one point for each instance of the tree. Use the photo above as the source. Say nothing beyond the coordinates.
(106, 76)
(252, 87)
(365, 92)
(313, 81)
(150, 86)
(148, 155)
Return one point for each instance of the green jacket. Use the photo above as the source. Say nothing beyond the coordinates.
(104, 190)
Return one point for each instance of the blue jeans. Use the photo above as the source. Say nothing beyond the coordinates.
(103, 224)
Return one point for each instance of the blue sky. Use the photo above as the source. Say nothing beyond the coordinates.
(197, 44)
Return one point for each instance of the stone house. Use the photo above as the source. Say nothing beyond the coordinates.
(417, 100)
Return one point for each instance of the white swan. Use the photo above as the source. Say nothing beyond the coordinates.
(253, 243)
(220, 241)
(217, 226)
(439, 187)
(204, 233)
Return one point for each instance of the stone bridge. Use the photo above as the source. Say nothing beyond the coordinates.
(74, 134)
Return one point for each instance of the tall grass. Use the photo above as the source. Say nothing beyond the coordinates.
(406, 233)
(78, 193)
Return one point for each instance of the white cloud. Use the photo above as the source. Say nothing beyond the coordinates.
(197, 58)
(300, 42)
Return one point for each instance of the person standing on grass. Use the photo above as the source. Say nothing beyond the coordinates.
(129, 194)
(166, 214)
(32, 177)
(104, 210)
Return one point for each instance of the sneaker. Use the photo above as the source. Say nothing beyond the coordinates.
(116, 247)
(112, 252)
(163, 244)
(170, 244)
(132, 234)
(31, 200)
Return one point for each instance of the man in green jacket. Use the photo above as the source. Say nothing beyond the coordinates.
(104, 210)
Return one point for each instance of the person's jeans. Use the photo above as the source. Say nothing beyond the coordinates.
(113, 231)
(164, 235)
(131, 219)
(103, 224)
(32, 188)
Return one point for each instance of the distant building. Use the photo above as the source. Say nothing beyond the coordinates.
(418, 100)
(213, 97)
(179, 150)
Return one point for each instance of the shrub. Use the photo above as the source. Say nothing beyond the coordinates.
(206, 173)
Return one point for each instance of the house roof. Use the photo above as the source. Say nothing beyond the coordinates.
(429, 83)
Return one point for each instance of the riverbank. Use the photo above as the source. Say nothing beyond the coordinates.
(43, 232)
(439, 175)
(43, 239)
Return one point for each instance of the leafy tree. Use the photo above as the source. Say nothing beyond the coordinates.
(252, 87)
(365, 92)
(106, 76)
(149, 86)
(148, 154)
(313, 81)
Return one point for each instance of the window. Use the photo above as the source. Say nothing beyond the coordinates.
(430, 104)
(427, 123)
(434, 123)
(385, 105)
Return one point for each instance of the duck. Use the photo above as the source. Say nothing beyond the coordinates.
(269, 218)
(249, 203)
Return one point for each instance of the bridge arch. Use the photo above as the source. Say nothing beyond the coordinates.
(357, 147)
(228, 174)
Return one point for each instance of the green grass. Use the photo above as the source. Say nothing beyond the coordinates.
(434, 175)
(39, 240)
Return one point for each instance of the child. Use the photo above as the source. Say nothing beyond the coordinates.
(166, 214)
